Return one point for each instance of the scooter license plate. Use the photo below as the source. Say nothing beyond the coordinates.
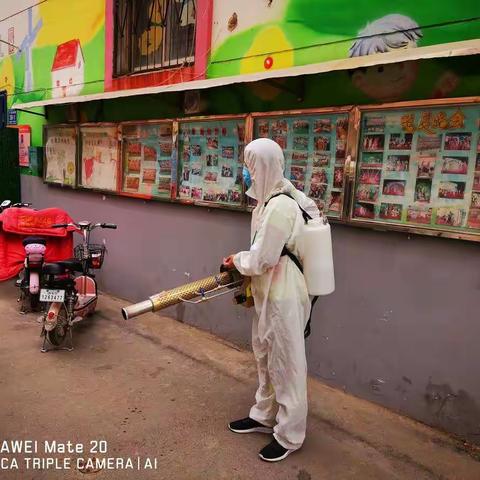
(49, 295)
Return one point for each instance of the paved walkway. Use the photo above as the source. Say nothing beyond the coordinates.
(154, 387)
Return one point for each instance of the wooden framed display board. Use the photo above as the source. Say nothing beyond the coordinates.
(61, 151)
(418, 168)
(147, 167)
(99, 159)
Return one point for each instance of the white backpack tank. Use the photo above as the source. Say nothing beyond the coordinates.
(315, 249)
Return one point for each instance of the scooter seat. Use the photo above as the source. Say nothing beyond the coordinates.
(54, 269)
(72, 265)
(30, 240)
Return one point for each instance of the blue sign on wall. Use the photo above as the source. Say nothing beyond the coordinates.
(12, 117)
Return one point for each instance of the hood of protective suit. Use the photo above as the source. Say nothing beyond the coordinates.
(265, 161)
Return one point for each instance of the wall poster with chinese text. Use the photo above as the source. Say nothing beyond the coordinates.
(420, 167)
(315, 149)
(60, 155)
(99, 157)
(147, 158)
(210, 160)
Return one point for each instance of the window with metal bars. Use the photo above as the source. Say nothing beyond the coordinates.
(153, 34)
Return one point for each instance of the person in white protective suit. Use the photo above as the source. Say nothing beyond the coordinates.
(282, 303)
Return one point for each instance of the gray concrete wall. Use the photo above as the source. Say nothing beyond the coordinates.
(401, 329)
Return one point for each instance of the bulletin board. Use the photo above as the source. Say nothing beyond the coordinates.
(147, 149)
(315, 148)
(419, 167)
(61, 145)
(210, 153)
(99, 157)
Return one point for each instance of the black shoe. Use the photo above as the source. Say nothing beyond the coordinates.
(274, 452)
(248, 425)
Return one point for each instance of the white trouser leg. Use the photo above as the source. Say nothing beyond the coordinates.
(265, 408)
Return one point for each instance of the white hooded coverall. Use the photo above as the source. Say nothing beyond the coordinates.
(282, 303)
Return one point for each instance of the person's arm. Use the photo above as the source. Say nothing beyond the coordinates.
(272, 236)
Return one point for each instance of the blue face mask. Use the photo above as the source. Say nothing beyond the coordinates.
(246, 177)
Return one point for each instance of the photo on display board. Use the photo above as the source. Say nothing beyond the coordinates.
(212, 159)
(149, 175)
(423, 190)
(318, 191)
(364, 210)
(420, 215)
(184, 191)
(476, 183)
(322, 143)
(322, 125)
(196, 150)
(279, 127)
(477, 163)
(370, 176)
(367, 193)
(474, 218)
(372, 159)
(335, 204)
(186, 174)
(196, 169)
(429, 142)
(450, 216)
(164, 184)
(391, 211)
(132, 183)
(475, 200)
(340, 149)
(319, 159)
(319, 175)
(398, 163)
(211, 176)
(373, 142)
(227, 171)
(458, 141)
(451, 190)
(197, 193)
(400, 141)
(300, 143)
(281, 140)
(263, 129)
(342, 128)
(297, 173)
(166, 149)
(133, 164)
(301, 127)
(394, 187)
(149, 154)
(300, 158)
(455, 165)
(212, 143)
(426, 166)
(228, 152)
(338, 177)
(374, 124)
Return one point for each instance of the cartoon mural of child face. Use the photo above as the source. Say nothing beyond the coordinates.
(390, 33)
(386, 82)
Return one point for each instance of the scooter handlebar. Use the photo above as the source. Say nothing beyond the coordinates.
(108, 225)
(59, 225)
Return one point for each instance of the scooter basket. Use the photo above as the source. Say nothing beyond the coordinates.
(96, 254)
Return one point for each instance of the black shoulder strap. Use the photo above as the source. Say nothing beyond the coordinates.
(306, 216)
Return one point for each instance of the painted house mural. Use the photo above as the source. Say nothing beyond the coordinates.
(68, 70)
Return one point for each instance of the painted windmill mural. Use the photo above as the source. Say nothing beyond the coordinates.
(26, 47)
